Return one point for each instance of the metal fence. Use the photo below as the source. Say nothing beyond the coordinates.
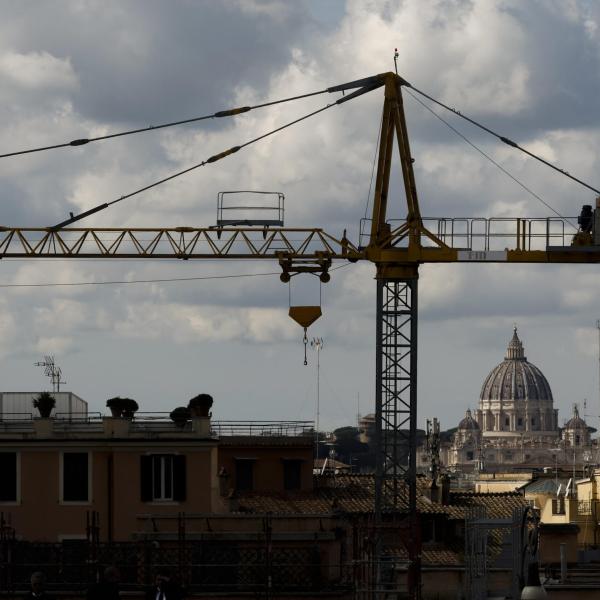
(219, 567)
(263, 428)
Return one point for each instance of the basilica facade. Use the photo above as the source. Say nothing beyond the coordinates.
(516, 424)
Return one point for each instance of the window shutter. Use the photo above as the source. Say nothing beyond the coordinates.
(179, 478)
(146, 478)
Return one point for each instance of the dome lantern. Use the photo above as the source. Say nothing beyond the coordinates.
(515, 349)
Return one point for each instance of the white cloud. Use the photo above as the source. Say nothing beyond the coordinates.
(586, 341)
(36, 71)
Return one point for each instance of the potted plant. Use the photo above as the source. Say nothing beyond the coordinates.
(44, 402)
(200, 405)
(180, 416)
(122, 407)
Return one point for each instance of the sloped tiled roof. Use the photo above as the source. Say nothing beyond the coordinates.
(346, 493)
(432, 555)
(544, 485)
(499, 505)
(330, 464)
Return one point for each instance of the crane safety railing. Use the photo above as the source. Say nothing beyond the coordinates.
(245, 211)
(500, 233)
(494, 233)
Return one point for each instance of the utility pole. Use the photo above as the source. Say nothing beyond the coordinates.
(317, 344)
(598, 328)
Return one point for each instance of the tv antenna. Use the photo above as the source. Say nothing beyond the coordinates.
(52, 371)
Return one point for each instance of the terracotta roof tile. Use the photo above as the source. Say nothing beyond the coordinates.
(498, 505)
(346, 493)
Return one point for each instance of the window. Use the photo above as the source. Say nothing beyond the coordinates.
(244, 474)
(75, 477)
(558, 506)
(507, 421)
(163, 478)
(577, 440)
(292, 474)
(8, 477)
(470, 455)
(520, 422)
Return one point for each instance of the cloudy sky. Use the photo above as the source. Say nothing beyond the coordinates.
(71, 69)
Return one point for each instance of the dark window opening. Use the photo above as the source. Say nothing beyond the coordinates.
(75, 477)
(470, 455)
(244, 474)
(8, 476)
(520, 422)
(507, 422)
(558, 506)
(577, 440)
(292, 474)
(163, 477)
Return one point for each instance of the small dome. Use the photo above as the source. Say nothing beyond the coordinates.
(575, 422)
(515, 378)
(468, 422)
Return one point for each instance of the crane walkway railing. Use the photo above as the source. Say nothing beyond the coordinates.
(501, 233)
(485, 234)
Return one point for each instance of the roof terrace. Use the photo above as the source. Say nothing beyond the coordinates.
(145, 424)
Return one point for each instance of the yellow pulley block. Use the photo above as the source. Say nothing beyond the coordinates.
(305, 316)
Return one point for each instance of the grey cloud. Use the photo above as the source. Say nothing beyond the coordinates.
(139, 62)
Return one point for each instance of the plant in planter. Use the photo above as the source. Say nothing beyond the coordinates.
(123, 408)
(180, 416)
(200, 405)
(44, 402)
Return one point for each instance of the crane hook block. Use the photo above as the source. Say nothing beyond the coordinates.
(305, 316)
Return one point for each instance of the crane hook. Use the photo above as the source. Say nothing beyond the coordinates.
(305, 340)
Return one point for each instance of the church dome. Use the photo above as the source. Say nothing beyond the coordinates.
(515, 378)
(576, 422)
(468, 422)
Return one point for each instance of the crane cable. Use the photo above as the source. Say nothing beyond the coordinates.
(359, 83)
(502, 138)
(495, 163)
(168, 280)
(222, 113)
(371, 85)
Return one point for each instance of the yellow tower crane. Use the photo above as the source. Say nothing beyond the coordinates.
(396, 249)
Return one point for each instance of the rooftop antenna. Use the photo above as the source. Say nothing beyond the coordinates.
(598, 328)
(396, 60)
(52, 371)
(317, 344)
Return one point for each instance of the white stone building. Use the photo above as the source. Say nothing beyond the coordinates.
(516, 423)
